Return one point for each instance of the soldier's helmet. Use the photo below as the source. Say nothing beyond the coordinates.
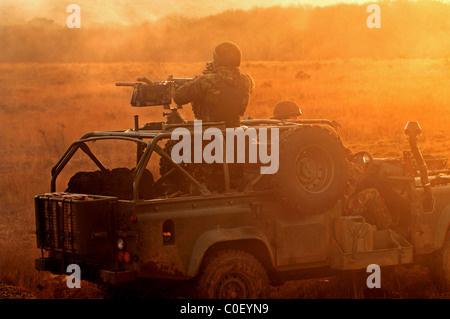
(227, 54)
(286, 110)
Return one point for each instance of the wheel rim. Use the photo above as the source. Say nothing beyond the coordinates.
(314, 169)
(232, 286)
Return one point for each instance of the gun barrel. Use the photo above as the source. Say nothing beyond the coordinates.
(181, 80)
(126, 84)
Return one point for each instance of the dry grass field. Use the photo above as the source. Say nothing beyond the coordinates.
(44, 107)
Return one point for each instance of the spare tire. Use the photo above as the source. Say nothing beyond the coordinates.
(312, 173)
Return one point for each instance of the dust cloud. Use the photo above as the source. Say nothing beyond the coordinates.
(408, 30)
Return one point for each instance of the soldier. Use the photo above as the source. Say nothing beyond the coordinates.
(367, 202)
(286, 110)
(221, 95)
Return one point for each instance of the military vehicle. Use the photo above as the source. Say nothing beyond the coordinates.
(237, 232)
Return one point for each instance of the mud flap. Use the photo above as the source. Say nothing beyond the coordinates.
(353, 250)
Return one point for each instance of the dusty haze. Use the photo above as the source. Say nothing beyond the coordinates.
(408, 30)
(371, 81)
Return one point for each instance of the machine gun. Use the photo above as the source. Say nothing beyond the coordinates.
(148, 93)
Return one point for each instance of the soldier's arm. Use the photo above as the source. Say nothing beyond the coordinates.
(249, 87)
(251, 83)
(189, 92)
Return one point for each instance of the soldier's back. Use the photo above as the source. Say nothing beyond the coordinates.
(219, 96)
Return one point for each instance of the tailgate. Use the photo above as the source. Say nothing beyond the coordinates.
(75, 223)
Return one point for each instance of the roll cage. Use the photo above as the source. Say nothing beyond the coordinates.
(147, 139)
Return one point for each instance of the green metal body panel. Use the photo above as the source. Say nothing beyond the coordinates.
(202, 222)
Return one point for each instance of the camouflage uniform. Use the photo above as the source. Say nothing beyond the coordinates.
(219, 96)
(223, 94)
(367, 203)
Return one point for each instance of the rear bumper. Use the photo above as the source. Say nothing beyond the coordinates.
(107, 276)
(117, 277)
